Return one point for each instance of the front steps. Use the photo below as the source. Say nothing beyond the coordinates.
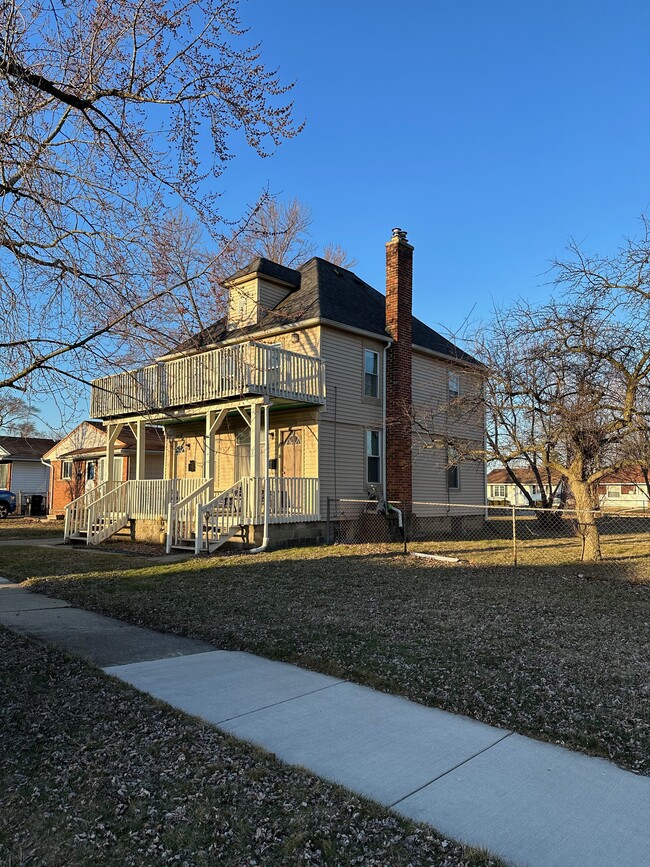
(188, 544)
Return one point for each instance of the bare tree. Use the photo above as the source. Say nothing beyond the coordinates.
(338, 255)
(17, 416)
(102, 107)
(563, 396)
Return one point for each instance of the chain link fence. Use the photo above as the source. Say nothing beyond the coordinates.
(487, 535)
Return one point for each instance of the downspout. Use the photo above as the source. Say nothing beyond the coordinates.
(265, 538)
(50, 484)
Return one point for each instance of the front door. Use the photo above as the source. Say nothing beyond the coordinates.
(291, 454)
(291, 493)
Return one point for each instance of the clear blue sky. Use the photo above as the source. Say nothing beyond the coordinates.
(492, 132)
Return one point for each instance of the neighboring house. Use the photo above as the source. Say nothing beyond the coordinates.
(21, 467)
(77, 463)
(501, 489)
(304, 392)
(624, 490)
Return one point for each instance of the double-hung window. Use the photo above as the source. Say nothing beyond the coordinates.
(371, 373)
(453, 385)
(373, 457)
(66, 469)
(453, 470)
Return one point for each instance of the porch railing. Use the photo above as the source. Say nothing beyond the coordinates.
(190, 508)
(221, 515)
(76, 512)
(150, 498)
(290, 500)
(249, 368)
(108, 514)
(182, 516)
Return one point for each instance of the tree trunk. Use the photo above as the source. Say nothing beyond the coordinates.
(586, 517)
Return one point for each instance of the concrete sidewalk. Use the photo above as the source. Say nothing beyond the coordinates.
(531, 803)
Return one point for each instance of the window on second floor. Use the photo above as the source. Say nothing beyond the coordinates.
(453, 384)
(371, 373)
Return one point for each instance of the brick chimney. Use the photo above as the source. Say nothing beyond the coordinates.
(399, 294)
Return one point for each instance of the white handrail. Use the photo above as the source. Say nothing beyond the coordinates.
(228, 509)
(76, 512)
(107, 514)
(180, 517)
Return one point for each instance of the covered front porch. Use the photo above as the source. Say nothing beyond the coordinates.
(219, 482)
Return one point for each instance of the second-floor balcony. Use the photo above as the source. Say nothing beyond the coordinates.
(245, 369)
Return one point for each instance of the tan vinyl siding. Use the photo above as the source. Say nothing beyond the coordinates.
(343, 442)
(305, 342)
(343, 355)
(437, 422)
(302, 422)
(270, 295)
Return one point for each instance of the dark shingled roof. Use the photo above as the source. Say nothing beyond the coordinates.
(326, 291)
(270, 269)
(26, 448)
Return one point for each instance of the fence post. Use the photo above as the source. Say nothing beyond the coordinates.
(405, 522)
(327, 523)
(514, 537)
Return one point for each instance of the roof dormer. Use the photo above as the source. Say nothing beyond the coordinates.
(256, 289)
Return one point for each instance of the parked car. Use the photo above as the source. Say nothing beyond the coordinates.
(7, 503)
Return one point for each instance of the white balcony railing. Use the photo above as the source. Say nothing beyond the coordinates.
(245, 369)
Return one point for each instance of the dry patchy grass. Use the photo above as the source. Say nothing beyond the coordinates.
(94, 772)
(551, 652)
(17, 527)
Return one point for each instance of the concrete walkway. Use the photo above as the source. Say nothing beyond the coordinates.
(531, 803)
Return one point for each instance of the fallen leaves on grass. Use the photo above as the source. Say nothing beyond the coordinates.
(97, 773)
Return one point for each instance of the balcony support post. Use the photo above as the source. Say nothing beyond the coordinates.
(256, 416)
(139, 432)
(213, 421)
(112, 433)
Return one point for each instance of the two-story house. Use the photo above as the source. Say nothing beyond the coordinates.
(303, 392)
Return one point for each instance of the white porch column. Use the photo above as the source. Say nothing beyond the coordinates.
(256, 413)
(139, 431)
(213, 421)
(112, 433)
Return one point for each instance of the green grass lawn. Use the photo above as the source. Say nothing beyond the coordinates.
(94, 772)
(557, 653)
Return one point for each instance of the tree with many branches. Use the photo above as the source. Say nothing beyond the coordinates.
(565, 385)
(107, 112)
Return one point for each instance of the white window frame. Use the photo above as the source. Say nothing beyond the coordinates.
(453, 468)
(374, 376)
(453, 384)
(499, 492)
(66, 474)
(373, 456)
(614, 492)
